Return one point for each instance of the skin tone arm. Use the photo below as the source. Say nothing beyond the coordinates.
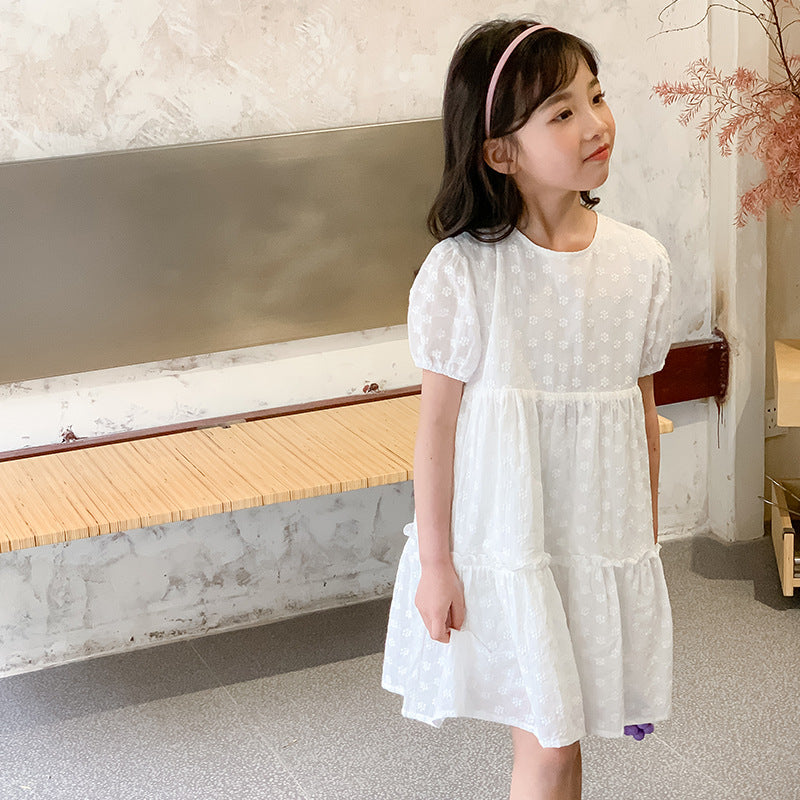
(653, 443)
(440, 594)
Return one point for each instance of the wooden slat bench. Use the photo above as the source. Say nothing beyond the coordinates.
(116, 487)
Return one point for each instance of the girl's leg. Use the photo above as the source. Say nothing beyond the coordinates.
(544, 773)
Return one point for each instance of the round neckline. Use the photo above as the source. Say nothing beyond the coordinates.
(586, 249)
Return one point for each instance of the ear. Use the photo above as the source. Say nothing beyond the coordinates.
(499, 156)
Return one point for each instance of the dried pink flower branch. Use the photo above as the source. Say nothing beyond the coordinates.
(753, 114)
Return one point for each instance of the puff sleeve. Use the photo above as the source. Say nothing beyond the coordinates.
(443, 328)
(658, 335)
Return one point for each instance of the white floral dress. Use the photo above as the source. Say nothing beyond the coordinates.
(568, 627)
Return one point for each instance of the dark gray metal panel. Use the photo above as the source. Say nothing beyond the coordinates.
(127, 257)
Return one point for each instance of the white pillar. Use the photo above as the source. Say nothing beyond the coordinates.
(736, 455)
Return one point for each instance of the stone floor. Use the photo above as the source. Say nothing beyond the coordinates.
(295, 710)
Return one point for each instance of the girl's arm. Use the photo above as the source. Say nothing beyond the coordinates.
(653, 443)
(440, 594)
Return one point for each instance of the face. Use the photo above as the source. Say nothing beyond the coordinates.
(557, 148)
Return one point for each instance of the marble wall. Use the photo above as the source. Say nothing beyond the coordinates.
(120, 591)
(79, 77)
(141, 396)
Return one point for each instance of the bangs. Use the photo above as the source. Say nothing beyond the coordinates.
(552, 59)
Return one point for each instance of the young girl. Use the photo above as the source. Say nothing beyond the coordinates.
(530, 590)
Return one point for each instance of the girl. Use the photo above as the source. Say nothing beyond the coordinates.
(530, 590)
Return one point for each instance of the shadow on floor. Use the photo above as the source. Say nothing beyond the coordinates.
(179, 668)
(752, 560)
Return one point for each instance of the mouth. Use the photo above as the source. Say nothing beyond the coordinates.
(601, 154)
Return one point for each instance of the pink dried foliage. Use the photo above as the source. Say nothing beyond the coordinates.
(752, 115)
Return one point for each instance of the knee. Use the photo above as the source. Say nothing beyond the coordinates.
(543, 771)
(559, 761)
(546, 762)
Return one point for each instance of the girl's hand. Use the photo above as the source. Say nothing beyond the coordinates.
(440, 601)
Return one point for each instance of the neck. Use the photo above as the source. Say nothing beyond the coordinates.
(559, 222)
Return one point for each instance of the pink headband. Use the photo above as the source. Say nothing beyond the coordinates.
(499, 68)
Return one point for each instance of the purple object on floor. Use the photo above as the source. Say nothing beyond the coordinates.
(638, 731)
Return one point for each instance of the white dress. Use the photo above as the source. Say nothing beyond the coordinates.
(568, 627)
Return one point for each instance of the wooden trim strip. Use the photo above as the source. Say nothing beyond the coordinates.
(83, 443)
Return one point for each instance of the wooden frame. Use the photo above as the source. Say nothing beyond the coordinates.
(783, 537)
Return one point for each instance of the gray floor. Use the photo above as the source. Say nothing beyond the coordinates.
(295, 710)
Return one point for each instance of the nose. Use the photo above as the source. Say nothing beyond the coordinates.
(597, 122)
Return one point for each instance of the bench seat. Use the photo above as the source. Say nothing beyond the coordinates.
(136, 484)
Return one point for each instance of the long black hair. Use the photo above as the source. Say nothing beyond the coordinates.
(473, 197)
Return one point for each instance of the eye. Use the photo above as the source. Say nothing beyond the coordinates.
(565, 114)
(599, 98)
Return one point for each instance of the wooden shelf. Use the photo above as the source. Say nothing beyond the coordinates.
(786, 381)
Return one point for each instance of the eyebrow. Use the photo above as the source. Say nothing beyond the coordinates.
(559, 96)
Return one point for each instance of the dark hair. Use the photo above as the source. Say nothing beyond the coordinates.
(473, 197)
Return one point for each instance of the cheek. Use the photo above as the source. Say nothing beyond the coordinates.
(566, 141)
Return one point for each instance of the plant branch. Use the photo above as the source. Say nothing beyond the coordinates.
(740, 8)
(793, 87)
(750, 112)
(765, 21)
